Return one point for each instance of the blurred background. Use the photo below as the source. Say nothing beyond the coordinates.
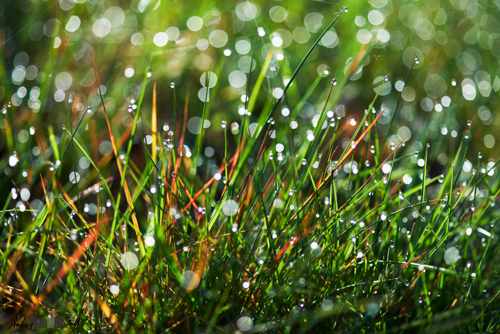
(46, 72)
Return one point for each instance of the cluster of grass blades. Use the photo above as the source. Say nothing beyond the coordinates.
(288, 234)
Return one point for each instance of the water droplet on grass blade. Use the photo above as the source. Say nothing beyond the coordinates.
(168, 143)
(129, 261)
(327, 305)
(451, 256)
(189, 280)
(244, 323)
(13, 160)
(149, 241)
(230, 207)
(114, 289)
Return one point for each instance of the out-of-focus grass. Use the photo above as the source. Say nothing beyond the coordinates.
(339, 184)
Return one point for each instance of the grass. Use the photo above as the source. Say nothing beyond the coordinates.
(141, 206)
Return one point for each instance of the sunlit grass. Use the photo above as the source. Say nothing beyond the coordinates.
(292, 198)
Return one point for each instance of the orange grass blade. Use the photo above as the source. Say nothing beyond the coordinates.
(154, 125)
(198, 194)
(86, 243)
(120, 168)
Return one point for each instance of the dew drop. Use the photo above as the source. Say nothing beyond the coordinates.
(114, 289)
(230, 207)
(168, 143)
(129, 260)
(189, 280)
(451, 256)
(13, 159)
(149, 241)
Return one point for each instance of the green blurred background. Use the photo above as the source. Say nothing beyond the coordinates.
(47, 70)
